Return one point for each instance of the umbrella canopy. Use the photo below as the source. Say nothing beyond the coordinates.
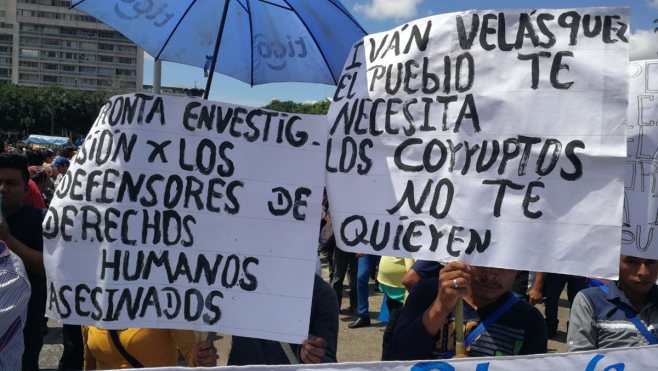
(257, 41)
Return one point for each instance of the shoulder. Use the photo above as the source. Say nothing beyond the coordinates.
(588, 296)
(183, 336)
(34, 197)
(522, 310)
(591, 300)
(592, 293)
(426, 286)
(323, 292)
(422, 294)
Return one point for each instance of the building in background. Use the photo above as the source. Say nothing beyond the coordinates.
(44, 43)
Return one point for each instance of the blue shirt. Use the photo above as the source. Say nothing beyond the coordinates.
(14, 298)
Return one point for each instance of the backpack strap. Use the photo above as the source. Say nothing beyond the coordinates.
(490, 320)
(114, 335)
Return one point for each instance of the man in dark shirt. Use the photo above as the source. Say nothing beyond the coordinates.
(20, 228)
(319, 348)
(497, 323)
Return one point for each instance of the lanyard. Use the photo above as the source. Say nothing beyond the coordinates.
(633, 317)
(490, 320)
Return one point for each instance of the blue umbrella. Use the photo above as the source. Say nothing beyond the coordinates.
(257, 41)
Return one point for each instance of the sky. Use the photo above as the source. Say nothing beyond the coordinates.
(381, 15)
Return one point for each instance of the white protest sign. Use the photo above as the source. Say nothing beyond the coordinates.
(188, 214)
(639, 237)
(494, 137)
(603, 360)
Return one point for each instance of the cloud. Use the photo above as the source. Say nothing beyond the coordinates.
(644, 44)
(653, 3)
(389, 9)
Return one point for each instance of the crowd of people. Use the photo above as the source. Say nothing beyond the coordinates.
(499, 304)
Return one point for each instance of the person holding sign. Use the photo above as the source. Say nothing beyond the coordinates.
(620, 314)
(139, 348)
(497, 322)
(320, 347)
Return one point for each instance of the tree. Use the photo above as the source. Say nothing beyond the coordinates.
(316, 108)
(41, 109)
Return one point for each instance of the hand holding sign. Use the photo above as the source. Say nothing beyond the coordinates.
(205, 354)
(454, 284)
(313, 350)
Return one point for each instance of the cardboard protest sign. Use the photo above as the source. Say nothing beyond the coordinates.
(639, 237)
(494, 137)
(187, 214)
(600, 360)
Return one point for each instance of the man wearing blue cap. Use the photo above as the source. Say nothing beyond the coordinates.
(60, 165)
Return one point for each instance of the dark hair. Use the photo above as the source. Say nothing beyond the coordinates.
(16, 162)
(34, 158)
(67, 152)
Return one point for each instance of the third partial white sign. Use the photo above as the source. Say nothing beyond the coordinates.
(639, 237)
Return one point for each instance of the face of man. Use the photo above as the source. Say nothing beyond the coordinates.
(638, 275)
(62, 169)
(12, 188)
(489, 284)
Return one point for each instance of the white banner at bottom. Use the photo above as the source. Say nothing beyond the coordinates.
(623, 359)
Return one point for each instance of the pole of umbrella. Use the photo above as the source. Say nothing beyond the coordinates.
(215, 55)
(157, 76)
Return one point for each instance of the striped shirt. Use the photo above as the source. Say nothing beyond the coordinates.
(521, 330)
(14, 296)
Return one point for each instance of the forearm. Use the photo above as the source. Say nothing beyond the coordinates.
(434, 318)
(32, 259)
(415, 335)
(539, 280)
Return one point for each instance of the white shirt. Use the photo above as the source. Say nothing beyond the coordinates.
(14, 295)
